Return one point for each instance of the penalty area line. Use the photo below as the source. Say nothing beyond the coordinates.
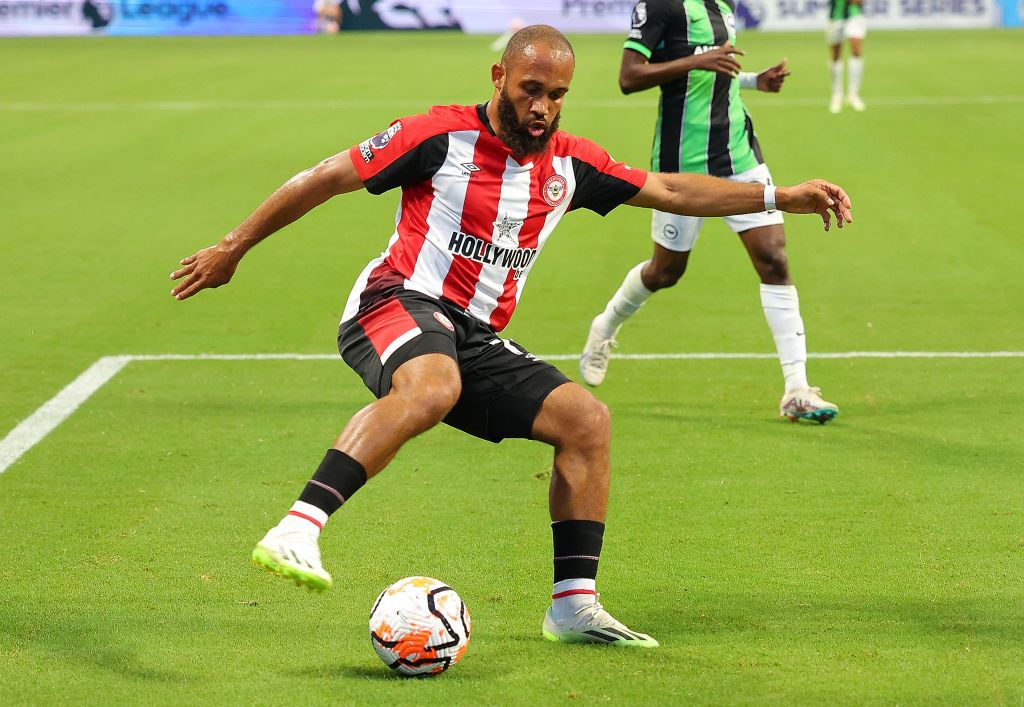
(43, 421)
(53, 412)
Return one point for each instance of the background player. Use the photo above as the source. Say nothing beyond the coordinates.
(703, 128)
(328, 16)
(483, 187)
(846, 21)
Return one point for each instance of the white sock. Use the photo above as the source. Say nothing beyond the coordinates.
(305, 517)
(837, 77)
(781, 306)
(571, 595)
(630, 296)
(856, 66)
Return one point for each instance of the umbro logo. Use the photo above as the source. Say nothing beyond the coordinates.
(469, 167)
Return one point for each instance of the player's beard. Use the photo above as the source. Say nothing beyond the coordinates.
(516, 134)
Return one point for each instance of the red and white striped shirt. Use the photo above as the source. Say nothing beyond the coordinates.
(472, 219)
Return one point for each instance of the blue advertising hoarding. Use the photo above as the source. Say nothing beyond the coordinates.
(155, 17)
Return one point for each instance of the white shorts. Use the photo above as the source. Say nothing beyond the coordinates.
(855, 27)
(679, 233)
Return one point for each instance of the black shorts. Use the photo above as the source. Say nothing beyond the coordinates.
(503, 385)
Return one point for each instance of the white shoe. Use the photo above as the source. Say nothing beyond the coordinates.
(594, 359)
(807, 404)
(836, 104)
(293, 554)
(592, 624)
(856, 103)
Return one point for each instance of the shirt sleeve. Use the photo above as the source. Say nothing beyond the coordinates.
(647, 26)
(601, 182)
(408, 152)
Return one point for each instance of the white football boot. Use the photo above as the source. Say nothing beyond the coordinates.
(836, 104)
(292, 554)
(592, 624)
(807, 404)
(855, 102)
(594, 359)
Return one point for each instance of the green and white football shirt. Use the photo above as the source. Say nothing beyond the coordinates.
(702, 126)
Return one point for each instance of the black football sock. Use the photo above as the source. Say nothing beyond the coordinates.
(336, 480)
(577, 553)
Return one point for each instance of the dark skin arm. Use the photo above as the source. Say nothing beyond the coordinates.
(214, 266)
(637, 74)
(699, 195)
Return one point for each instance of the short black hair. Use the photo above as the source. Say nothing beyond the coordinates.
(534, 34)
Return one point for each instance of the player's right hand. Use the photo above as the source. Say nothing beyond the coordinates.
(210, 267)
(721, 60)
(816, 197)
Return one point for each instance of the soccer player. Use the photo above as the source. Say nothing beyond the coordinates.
(685, 47)
(328, 16)
(846, 21)
(483, 188)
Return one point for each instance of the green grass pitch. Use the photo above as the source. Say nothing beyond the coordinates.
(878, 559)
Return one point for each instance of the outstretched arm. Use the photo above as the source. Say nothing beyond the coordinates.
(698, 195)
(214, 266)
(637, 74)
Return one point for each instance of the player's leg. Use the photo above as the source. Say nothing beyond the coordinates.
(423, 390)
(578, 426)
(858, 29)
(674, 237)
(764, 237)
(780, 301)
(835, 40)
(408, 359)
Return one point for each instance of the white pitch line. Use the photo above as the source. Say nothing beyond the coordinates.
(36, 426)
(44, 420)
(422, 104)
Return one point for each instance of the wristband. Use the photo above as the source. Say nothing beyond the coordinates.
(748, 79)
(769, 197)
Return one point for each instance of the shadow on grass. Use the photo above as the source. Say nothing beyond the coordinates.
(381, 673)
(903, 619)
(85, 642)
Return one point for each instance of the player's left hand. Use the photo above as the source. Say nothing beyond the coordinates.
(816, 197)
(771, 80)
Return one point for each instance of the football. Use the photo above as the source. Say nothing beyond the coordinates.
(419, 626)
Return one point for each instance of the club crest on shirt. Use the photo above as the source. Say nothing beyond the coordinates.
(506, 232)
(554, 190)
(444, 321)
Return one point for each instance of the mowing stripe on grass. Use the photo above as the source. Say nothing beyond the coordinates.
(423, 103)
(44, 420)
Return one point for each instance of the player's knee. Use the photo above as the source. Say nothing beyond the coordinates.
(773, 266)
(592, 425)
(665, 274)
(438, 398)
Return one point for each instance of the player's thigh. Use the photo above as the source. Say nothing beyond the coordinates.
(674, 232)
(503, 388)
(405, 326)
(834, 33)
(572, 414)
(744, 222)
(856, 28)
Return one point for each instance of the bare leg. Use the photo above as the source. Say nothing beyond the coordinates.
(578, 426)
(664, 268)
(423, 390)
(766, 246)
